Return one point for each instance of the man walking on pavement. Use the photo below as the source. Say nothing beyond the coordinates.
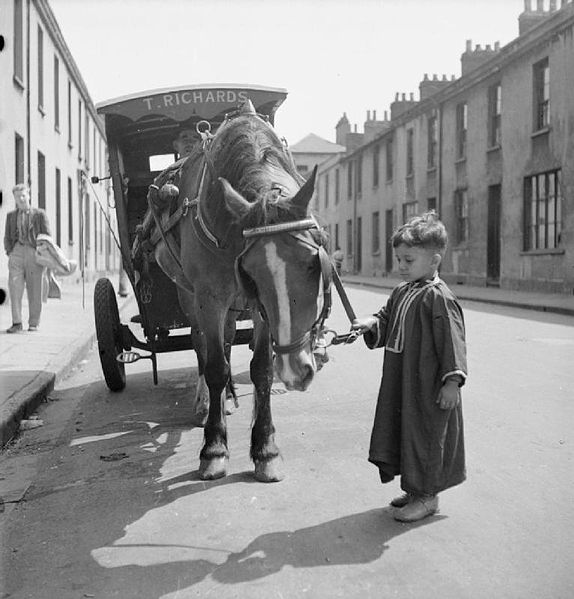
(23, 226)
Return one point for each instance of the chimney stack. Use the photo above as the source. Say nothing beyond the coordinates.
(471, 59)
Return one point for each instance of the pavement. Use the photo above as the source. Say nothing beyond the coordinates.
(32, 363)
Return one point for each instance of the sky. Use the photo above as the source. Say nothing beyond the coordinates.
(332, 56)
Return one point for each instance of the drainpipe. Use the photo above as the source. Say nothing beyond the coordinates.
(28, 134)
(439, 191)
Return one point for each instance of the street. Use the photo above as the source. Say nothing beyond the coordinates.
(104, 499)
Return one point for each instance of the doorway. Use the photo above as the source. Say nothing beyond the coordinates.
(493, 236)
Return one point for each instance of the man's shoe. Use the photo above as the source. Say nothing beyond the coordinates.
(401, 501)
(33, 328)
(15, 328)
(418, 508)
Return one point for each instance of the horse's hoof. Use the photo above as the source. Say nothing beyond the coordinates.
(269, 472)
(213, 468)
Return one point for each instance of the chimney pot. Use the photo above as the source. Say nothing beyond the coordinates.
(453, 77)
(444, 77)
(488, 48)
(426, 77)
(478, 48)
(496, 46)
(412, 97)
(404, 97)
(539, 5)
(397, 97)
(527, 6)
(368, 115)
(469, 45)
(374, 115)
(354, 128)
(435, 77)
(552, 5)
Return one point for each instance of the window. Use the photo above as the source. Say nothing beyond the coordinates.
(58, 207)
(40, 70)
(461, 216)
(376, 237)
(41, 180)
(70, 213)
(432, 141)
(389, 159)
(18, 43)
(19, 159)
(79, 129)
(69, 113)
(376, 154)
(542, 211)
(349, 238)
(349, 180)
(461, 125)
(410, 209)
(359, 174)
(494, 114)
(56, 93)
(326, 189)
(337, 186)
(87, 138)
(541, 94)
(410, 151)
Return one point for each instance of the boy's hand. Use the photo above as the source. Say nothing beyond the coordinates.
(362, 325)
(448, 396)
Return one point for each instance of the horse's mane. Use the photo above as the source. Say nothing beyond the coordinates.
(248, 153)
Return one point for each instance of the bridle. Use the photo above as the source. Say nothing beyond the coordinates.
(295, 229)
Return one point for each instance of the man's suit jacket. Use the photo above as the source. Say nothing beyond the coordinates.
(38, 224)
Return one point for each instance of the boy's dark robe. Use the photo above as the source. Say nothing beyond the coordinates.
(422, 330)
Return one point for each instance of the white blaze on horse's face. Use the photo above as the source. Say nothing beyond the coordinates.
(289, 288)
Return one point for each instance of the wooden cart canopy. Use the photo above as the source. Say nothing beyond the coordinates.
(189, 103)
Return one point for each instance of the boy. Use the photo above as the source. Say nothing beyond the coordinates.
(418, 429)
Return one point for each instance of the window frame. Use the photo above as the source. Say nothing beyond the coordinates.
(541, 94)
(538, 222)
(494, 115)
(461, 216)
(461, 130)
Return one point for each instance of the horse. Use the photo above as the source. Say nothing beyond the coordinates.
(245, 233)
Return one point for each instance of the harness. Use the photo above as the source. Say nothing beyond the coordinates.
(295, 229)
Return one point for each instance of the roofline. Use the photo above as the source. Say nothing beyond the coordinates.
(514, 49)
(163, 90)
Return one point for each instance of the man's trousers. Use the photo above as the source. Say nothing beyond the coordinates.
(23, 272)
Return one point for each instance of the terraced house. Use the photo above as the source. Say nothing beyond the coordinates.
(492, 151)
(52, 138)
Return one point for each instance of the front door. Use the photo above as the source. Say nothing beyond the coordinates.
(493, 236)
(359, 257)
(388, 246)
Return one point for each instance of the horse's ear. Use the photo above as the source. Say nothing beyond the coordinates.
(304, 195)
(236, 203)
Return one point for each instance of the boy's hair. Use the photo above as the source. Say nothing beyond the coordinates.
(424, 231)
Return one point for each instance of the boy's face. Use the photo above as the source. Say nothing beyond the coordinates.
(416, 263)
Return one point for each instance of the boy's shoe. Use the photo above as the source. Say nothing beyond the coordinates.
(402, 500)
(15, 328)
(33, 327)
(418, 508)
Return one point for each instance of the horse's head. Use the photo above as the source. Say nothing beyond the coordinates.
(286, 271)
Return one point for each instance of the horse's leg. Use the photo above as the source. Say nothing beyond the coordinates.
(201, 401)
(231, 401)
(264, 453)
(214, 454)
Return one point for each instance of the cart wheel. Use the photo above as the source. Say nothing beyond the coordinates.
(108, 333)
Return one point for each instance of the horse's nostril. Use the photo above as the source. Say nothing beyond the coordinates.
(308, 374)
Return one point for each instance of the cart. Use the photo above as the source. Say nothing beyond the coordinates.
(140, 129)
